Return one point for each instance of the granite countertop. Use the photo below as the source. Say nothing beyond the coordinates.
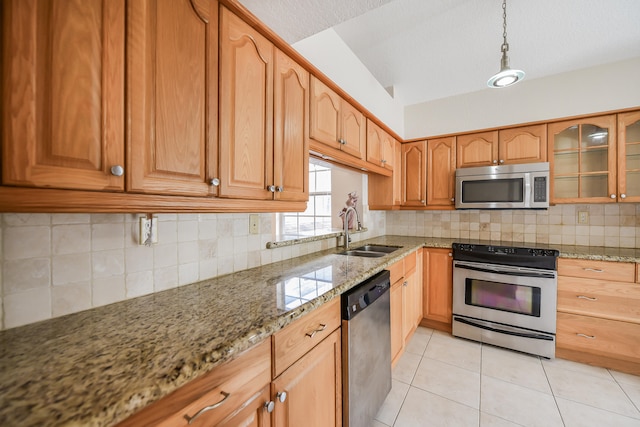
(97, 367)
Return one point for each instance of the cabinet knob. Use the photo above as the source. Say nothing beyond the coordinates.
(623, 196)
(281, 396)
(453, 199)
(117, 170)
(613, 196)
(501, 161)
(269, 406)
(450, 254)
(405, 283)
(495, 161)
(279, 188)
(271, 188)
(342, 141)
(383, 161)
(215, 182)
(422, 201)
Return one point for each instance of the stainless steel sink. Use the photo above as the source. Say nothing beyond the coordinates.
(370, 251)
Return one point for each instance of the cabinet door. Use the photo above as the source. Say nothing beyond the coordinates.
(354, 130)
(252, 413)
(414, 163)
(291, 129)
(63, 93)
(478, 149)
(438, 285)
(246, 110)
(388, 151)
(629, 157)
(172, 57)
(374, 143)
(397, 337)
(583, 160)
(397, 174)
(441, 171)
(325, 114)
(526, 144)
(314, 388)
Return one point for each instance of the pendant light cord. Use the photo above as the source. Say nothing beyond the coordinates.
(505, 45)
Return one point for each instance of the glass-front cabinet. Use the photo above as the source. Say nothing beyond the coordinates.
(583, 160)
(629, 157)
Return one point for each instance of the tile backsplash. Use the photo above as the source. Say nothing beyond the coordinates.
(612, 225)
(56, 264)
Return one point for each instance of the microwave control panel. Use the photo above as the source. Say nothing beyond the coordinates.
(540, 189)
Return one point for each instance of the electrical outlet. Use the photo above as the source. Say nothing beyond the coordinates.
(254, 224)
(583, 217)
(148, 231)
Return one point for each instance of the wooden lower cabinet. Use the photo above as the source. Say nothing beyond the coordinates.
(412, 296)
(397, 337)
(253, 413)
(313, 387)
(599, 314)
(438, 288)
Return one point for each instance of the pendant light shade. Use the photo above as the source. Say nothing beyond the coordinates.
(506, 76)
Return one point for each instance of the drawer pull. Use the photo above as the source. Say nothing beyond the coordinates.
(595, 270)
(315, 331)
(208, 408)
(591, 337)
(587, 298)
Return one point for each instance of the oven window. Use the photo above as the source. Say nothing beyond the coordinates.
(503, 296)
(493, 191)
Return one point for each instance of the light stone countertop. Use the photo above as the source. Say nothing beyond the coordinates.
(97, 367)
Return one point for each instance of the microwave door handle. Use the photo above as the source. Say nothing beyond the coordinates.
(527, 190)
(507, 271)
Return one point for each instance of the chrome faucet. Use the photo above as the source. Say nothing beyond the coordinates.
(347, 239)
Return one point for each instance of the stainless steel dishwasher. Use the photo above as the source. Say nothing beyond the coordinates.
(366, 350)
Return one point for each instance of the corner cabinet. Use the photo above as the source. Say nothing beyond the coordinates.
(336, 123)
(263, 117)
(172, 105)
(525, 144)
(414, 174)
(63, 94)
(441, 171)
(438, 288)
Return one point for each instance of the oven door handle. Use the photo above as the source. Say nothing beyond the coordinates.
(506, 271)
(502, 331)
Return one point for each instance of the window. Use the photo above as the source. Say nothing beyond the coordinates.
(317, 218)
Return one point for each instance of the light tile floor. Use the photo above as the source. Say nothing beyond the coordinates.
(445, 381)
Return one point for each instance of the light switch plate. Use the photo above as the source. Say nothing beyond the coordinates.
(583, 217)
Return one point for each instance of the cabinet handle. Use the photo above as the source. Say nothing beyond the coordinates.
(269, 406)
(315, 331)
(422, 201)
(623, 196)
(271, 188)
(613, 196)
(281, 396)
(587, 298)
(383, 161)
(208, 408)
(595, 270)
(591, 337)
(342, 141)
(117, 170)
(405, 283)
(215, 182)
(495, 161)
(279, 188)
(453, 199)
(450, 254)
(501, 161)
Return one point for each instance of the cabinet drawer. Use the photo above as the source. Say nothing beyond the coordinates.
(227, 387)
(396, 271)
(609, 270)
(410, 262)
(292, 342)
(600, 298)
(609, 338)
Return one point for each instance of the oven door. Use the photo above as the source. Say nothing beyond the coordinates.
(514, 296)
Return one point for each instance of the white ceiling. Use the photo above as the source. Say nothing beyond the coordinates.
(432, 49)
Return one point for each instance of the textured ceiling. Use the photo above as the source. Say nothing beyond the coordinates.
(434, 49)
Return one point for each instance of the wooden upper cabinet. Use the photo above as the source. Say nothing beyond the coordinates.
(336, 123)
(526, 144)
(441, 171)
(380, 146)
(291, 130)
(62, 123)
(172, 69)
(629, 157)
(583, 160)
(246, 110)
(477, 149)
(414, 176)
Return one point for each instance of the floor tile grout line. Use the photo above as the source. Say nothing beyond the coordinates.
(624, 391)
(555, 400)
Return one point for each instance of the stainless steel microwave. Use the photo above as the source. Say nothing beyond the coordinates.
(521, 186)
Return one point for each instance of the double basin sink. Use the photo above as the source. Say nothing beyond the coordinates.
(370, 251)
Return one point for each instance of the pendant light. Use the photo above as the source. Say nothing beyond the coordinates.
(506, 76)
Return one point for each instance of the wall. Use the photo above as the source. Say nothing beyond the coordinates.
(592, 90)
(612, 225)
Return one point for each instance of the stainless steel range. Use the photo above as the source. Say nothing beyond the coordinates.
(506, 296)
